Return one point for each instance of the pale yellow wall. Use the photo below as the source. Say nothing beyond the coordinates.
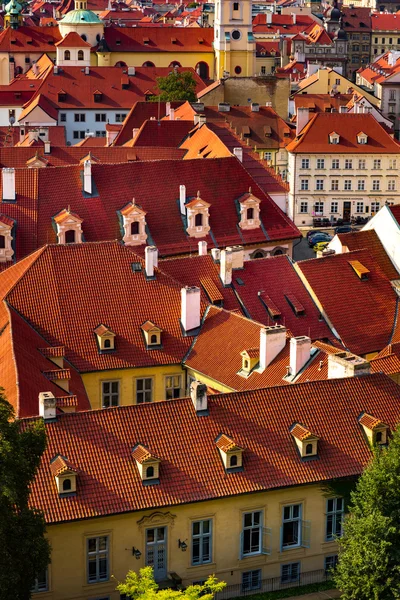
(159, 59)
(127, 378)
(67, 572)
(327, 79)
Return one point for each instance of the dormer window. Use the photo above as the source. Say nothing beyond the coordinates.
(148, 465)
(69, 227)
(65, 475)
(67, 55)
(152, 334)
(306, 442)
(231, 453)
(97, 96)
(334, 138)
(359, 269)
(105, 338)
(198, 217)
(362, 138)
(134, 224)
(6, 250)
(374, 429)
(250, 359)
(62, 96)
(249, 211)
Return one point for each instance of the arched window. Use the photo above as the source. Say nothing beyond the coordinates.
(246, 364)
(175, 63)
(153, 339)
(148, 63)
(250, 214)
(202, 70)
(80, 54)
(278, 252)
(135, 228)
(84, 37)
(67, 55)
(66, 485)
(198, 220)
(107, 343)
(233, 462)
(120, 63)
(378, 437)
(2, 242)
(150, 472)
(70, 236)
(259, 254)
(98, 37)
(309, 449)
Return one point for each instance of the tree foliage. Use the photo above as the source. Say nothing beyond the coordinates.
(369, 559)
(24, 551)
(176, 86)
(142, 585)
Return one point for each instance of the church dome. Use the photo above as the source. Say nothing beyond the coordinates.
(13, 8)
(341, 34)
(335, 14)
(76, 17)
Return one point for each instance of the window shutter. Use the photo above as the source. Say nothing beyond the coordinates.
(241, 546)
(266, 540)
(305, 534)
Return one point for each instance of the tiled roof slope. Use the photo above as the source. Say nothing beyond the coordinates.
(191, 469)
(321, 102)
(357, 240)
(388, 360)
(138, 114)
(163, 134)
(159, 39)
(395, 210)
(29, 39)
(277, 278)
(314, 137)
(63, 317)
(356, 18)
(385, 22)
(361, 311)
(204, 143)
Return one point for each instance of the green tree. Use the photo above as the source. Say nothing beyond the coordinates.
(143, 585)
(24, 551)
(369, 558)
(176, 86)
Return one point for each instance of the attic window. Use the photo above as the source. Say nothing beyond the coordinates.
(375, 430)
(295, 305)
(231, 453)
(62, 96)
(146, 41)
(174, 40)
(105, 338)
(246, 131)
(267, 131)
(137, 267)
(152, 334)
(334, 138)
(201, 40)
(118, 42)
(362, 138)
(65, 475)
(306, 442)
(250, 359)
(361, 271)
(148, 465)
(271, 307)
(97, 96)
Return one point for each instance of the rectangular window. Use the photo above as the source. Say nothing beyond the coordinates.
(335, 163)
(335, 185)
(376, 185)
(263, 70)
(391, 185)
(361, 185)
(109, 393)
(392, 163)
(100, 117)
(290, 573)
(319, 184)
(291, 526)
(267, 155)
(252, 533)
(377, 163)
(172, 387)
(347, 184)
(348, 163)
(337, 81)
(319, 207)
(41, 583)
(383, 40)
(236, 6)
(320, 163)
(334, 207)
(75, 135)
(120, 117)
(304, 184)
(305, 163)
(251, 580)
(304, 207)
(63, 117)
(79, 117)
(100, 134)
(392, 95)
(97, 559)
(330, 563)
(201, 542)
(144, 390)
(376, 40)
(375, 206)
(361, 164)
(335, 506)
(360, 207)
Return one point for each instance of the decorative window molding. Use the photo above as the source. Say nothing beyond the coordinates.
(362, 138)
(306, 442)
(148, 465)
(249, 211)
(231, 453)
(134, 224)
(198, 217)
(6, 250)
(69, 227)
(105, 338)
(65, 475)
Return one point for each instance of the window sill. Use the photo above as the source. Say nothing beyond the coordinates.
(204, 565)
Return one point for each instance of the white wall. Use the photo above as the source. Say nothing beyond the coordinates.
(90, 124)
(388, 231)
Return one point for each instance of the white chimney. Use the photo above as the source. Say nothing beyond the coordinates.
(346, 364)
(190, 308)
(272, 341)
(269, 18)
(172, 114)
(87, 70)
(131, 71)
(198, 394)
(255, 107)
(216, 254)
(151, 260)
(300, 352)
(294, 18)
(202, 248)
(226, 266)
(47, 148)
(301, 119)
(8, 183)
(167, 108)
(343, 109)
(237, 257)
(47, 405)
(87, 177)
(238, 152)
(33, 135)
(182, 199)
(135, 132)
(55, 69)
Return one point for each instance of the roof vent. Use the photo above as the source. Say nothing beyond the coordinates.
(361, 271)
(224, 107)
(47, 405)
(255, 107)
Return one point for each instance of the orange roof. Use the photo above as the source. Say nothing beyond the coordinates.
(159, 39)
(29, 39)
(60, 465)
(385, 21)
(72, 40)
(42, 102)
(102, 329)
(226, 444)
(65, 214)
(300, 432)
(370, 421)
(141, 454)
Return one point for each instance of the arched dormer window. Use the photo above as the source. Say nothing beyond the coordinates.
(233, 460)
(69, 227)
(230, 452)
(6, 251)
(80, 55)
(249, 211)
(65, 475)
(134, 224)
(150, 472)
(105, 338)
(66, 485)
(198, 221)
(198, 217)
(309, 449)
(152, 334)
(70, 236)
(67, 55)
(306, 442)
(148, 464)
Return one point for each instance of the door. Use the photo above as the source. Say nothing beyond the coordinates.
(156, 551)
(346, 211)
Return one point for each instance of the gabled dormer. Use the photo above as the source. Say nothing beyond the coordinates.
(105, 338)
(148, 465)
(306, 442)
(250, 359)
(249, 211)
(152, 334)
(6, 250)
(231, 453)
(134, 224)
(362, 138)
(65, 475)
(69, 227)
(37, 162)
(374, 429)
(198, 217)
(334, 138)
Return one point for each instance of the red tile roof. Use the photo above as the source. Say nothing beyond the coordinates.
(259, 421)
(72, 40)
(159, 39)
(321, 102)
(29, 39)
(356, 19)
(385, 21)
(163, 134)
(139, 113)
(300, 432)
(357, 240)
(370, 421)
(282, 24)
(395, 210)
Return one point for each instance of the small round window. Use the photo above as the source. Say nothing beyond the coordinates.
(236, 35)
(238, 70)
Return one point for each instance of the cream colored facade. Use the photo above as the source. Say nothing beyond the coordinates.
(234, 43)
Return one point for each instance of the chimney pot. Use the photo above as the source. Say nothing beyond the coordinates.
(47, 148)
(226, 266)
(190, 308)
(300, 352)
(47, 406)
(87, 177)
(202, 248)
(151, 260)
(216, 254)
(131, 71)
(8, 184)
(238, 152)
(172, 114)
(198, 394)
(182, 199)
(272, 342)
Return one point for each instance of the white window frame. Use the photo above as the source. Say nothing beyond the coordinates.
(334, 207)
(348, 164)
(292, 519)
(304, 185)
(202, 538)
(335, 163)
(347, 185)
(320, 163)
(334, 518)
(172, 386)
(98, 555)
(362, 164)
(361, 185)
(319, 185)
(376, 185)
(359, 205)
(303, 207)
(391, 185)
(305, 163)
(253, 529)
(145, 390)
(110, 394)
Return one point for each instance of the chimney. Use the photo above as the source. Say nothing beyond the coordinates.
(272, 341)
(172, 114)
(55, 70)
(238, 152)
(131, 71)
(226, 266)
(255, 107)
(33, 135)
(8, 183)
(190, 308)
(343, 109)
(47, 148)
(35, 69)
(135, 132)
(216, 254)
(202, 248)
(346, 364)
(269, 18)
(87, 70)
(300, 352)
(198, 394)
(47, 406)
(237, 256)
(294, 18)
(87, 177)
(151, 260)
(302, 119)
(167, 108)
(182, 199)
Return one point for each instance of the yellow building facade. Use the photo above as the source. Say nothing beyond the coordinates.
(234, 43)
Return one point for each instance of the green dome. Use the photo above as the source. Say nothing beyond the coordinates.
(74, 17)
(13, 8)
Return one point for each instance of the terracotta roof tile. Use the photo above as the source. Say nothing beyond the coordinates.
(357, 240)
(159, 39)
(300, 432)
(370, 421)
(60, 465)
(226, 444)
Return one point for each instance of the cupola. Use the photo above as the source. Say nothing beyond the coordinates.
(249, 211)
(65, 475)
(362, 138)
(105, 338)
(134, 224)
(250, 359)
(334, 137)
(306, 442)
(148, 465)
(6, 238)
(231, 453)
(69, 227)
(198, 217)
(374, 429)
(152, 334)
